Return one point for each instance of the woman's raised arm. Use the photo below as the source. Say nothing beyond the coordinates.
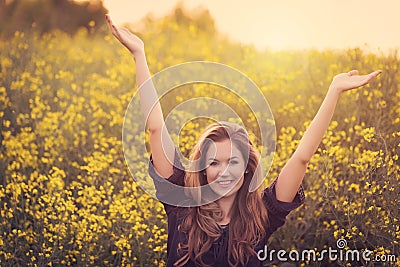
(292, 173)
(161, 145)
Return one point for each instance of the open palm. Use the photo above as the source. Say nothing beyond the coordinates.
(351, 80)
(128, 39)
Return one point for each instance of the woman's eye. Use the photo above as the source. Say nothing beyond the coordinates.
(213, 163)
(234, 162)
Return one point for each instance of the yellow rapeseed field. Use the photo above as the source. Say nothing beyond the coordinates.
(68, 199)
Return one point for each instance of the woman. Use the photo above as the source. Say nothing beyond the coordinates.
(230, 230)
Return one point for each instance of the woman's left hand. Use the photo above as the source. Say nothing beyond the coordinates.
(350, 80)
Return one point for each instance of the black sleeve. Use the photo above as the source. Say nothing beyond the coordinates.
(278, 210)
(169, 190)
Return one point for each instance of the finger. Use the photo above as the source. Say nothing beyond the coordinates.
(108, 18)
(353, 72)
(125, 30)
(113, 28)
(372, 75)
(367, 78)
(115, 32)
(375, 73)
(109, 22)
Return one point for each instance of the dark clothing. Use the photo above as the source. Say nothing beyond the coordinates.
(218, 254)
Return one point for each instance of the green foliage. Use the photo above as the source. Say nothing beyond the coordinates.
(43, 16)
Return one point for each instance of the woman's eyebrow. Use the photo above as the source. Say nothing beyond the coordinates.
(214, 159)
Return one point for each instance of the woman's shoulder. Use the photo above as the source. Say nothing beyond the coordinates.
(178, 171)
(278, 207)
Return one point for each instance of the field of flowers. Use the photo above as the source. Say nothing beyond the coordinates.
(67, 197)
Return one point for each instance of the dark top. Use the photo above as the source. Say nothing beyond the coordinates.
(218, 254)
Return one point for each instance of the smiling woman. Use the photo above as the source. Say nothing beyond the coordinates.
(225, 159)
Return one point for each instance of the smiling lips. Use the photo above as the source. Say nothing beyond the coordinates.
(225, 183)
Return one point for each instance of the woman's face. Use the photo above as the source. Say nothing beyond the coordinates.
(225, 168)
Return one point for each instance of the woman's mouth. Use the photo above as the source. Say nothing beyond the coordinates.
(225, 183)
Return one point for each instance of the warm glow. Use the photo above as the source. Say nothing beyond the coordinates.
(287, 24)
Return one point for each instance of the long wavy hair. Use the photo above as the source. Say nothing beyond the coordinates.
(249, 218)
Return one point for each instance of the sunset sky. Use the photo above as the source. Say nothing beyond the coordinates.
(286, 24)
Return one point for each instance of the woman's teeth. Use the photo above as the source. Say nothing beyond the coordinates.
(225, 182)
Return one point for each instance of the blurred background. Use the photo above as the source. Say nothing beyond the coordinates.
(285, 24)
(265, 24)
(44, 16)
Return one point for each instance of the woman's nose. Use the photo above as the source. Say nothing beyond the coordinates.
(223, 170)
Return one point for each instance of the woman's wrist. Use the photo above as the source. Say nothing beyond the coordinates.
(335, 90)
(138, 54)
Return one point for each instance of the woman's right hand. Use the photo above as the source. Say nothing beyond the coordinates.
(134, 44)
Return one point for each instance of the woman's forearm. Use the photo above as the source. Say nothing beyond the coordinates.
(142, 70)
(313, 135)
(148, 96)
(161, 145)
(292, 173)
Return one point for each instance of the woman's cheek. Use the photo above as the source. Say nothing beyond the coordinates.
(237, 171)
(211, 174)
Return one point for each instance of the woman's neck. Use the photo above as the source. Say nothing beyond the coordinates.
(226, 203)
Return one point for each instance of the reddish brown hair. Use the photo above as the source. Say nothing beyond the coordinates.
(249, 218)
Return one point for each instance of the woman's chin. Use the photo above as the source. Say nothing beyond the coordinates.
(223, 191)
